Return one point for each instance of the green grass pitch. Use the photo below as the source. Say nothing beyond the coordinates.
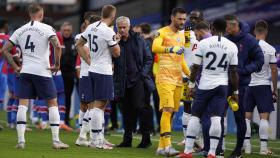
(38, 145)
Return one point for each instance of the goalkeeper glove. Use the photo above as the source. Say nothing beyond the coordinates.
(176, 49)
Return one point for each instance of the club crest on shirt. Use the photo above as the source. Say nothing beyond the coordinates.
(157, 34)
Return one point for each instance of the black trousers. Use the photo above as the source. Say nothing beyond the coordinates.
(133, 106)
(69, 81)
(114, 115)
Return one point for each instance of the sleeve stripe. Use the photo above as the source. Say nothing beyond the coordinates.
(84, 38)
(272, 62)
(12, 43)
(113, 45)
(233, 64)
(198, 55)
(51, 36)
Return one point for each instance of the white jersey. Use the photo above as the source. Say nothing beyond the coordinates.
(190, 50)
(100, 38)
(262, 77)
(33, 39)
(215, 54)
(84, 66)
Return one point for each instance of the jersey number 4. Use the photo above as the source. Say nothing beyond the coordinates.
(222, 63)
(92, 42)
(28, 44)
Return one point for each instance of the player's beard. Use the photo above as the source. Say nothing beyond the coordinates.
(179, 26)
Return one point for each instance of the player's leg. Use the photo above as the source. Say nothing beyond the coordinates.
(166, 95)
(26, 91)
(249, 104)
(265, 107)
(45, 89)
(199, 105)
(216, 105)
(43, 108)
(102, 86)
(11, 100)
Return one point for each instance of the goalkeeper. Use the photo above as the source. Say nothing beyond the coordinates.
(169, 45)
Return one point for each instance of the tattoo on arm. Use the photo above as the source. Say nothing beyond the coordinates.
(6, 52)
(54, 41)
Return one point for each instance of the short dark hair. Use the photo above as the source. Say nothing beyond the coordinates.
(107, 11)
(197, 11)
(231, 17)
(3, 22)
(178, 10)
(261, 26)
(34, 8)
(202, 25)
(219, 25)
(94, 18)
(88, 14)
(146, 28)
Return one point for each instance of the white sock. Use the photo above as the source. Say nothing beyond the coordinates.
(85, 125)
(248, 133)
(103, 123)
(192, 132)
(54, 120)
(96, 125)
(225, 133)
(81, 116)
(215, 134)
(21, 122)
(185, 121)
(199, 137)
(263, 132)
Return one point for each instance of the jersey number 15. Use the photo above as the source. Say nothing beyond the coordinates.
(92, 42)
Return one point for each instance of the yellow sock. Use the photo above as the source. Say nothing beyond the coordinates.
(165, 128)
(161, 143)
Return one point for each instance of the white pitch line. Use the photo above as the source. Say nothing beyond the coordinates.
(255, 146)
(175, 142)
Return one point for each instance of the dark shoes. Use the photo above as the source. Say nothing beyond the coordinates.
(145, 144)
(125, 144)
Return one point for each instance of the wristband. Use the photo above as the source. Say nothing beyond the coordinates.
(191, 85)
(236, 92)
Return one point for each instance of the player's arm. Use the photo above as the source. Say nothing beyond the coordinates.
(274, 74)
(114, 46)
(233, 73)
(157, 46)
(80, 48)
(57, 51)
(6, 53)
(115, 50)
(185, 68)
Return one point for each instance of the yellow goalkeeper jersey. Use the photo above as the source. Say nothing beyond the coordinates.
(170, 65)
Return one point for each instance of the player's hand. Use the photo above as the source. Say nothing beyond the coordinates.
(176, 49)
(191, 92)
(275, 96)
(17, 70)
(117, 37)
(235, 97)
(54, 69)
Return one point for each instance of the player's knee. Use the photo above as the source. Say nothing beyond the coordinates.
(52, 102)
(264, 116)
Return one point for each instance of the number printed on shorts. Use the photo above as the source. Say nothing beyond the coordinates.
(29, 45)
(92, 42)
(221, 64)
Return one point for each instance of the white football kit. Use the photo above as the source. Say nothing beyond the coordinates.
(33, 39)
(84, 66)
(100, 38)
(262, 77)
(215, 54)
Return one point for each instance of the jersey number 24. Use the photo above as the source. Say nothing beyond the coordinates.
(221, 64)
